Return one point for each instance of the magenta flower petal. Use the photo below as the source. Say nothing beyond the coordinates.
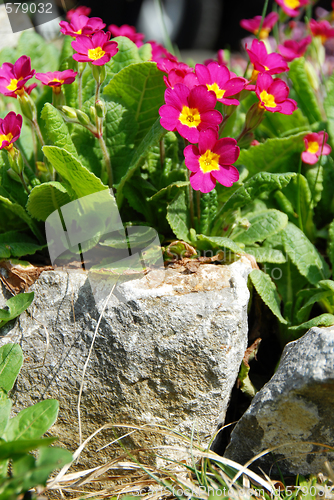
(10, 129)
(288, 107)
(177, 97)
(228, 150)
(202, 182)
(309, 158)
(202, 99)
(280, 90)
(169, 117)
(191, 155)
(207, 140)
(226, 175)
(210, 119)
(234, 86)
(191, 134)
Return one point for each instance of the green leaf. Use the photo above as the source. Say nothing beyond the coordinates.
(57, 130)
(329, 108)
(274, 155)
(15, 244)
(168, 189)
(322, 320)
(45, 199)
(262, 226)
(306, 99)
(266, 254)
(304, 255)
(48, 460)
(72, 171)
(44, 56)
(267, 291)
(217, 243)
(32, 422)
(331, 244)
(245, 383)
(18, 447)
(140, 87)
(5, 409)
(252, 188)
(17, 212)
(315, 178)
(283, 125)
(16, 305)
(178, 217)
(11, 360)
(153, 137)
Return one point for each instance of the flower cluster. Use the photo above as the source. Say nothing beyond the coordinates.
(291, 7)
(253, 25)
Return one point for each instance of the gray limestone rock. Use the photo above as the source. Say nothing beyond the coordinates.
(293, 409)
(164, 355)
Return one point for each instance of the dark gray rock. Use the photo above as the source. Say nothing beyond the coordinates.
(293, 409)
(164, 355)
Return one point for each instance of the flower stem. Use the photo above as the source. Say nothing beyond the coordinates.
(198, 205)
(107, 161)
(263, 15)
(38, 131)
(299, 212)
(162, 153)
(24, 183)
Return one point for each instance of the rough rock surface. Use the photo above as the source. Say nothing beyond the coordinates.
(166, 355)
(295, 407)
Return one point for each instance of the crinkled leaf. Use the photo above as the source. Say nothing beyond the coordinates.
(274, 155)
(322, 320)
(301, 186)
(140, 87)
(45, 199)
(162, 192)
(16, 305)
(57, 130)
(16, 244)
(82, 181)
(217, 243)
(267, 291)
(306, 99)
(17, 212)
(304, 255)
(262, 226)
(283, 125)
(178, 217)
(32, 422)
(266, 254)
(5, 409)
(11, 359)
(329, 108)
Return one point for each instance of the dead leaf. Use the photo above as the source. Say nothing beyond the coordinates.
(18, 276)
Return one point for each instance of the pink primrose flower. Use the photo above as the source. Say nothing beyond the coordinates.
(14, 76)
(291, 7)
(97, 50)
(82, 10)
(189, 111)
(219, 79)
(10, 129)
(128, 32)
(176, 71)
(253, 25)
(273, 95)
(220, 59)
(291, 49)
(159, 53)
(56, 79)
(81, 25)
(212, 161)
(263, 62)
(322, 29)
(315, 145)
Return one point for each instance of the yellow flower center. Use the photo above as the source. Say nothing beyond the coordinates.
(218, 91)
(313, 147)
(96, 53)
(209, 161)
(292, 4)
(264, 33)
(267, 100)
(254, 75)
(4, 138)
(190, 117)
(78, 32)
(13, 84)
(266, 68)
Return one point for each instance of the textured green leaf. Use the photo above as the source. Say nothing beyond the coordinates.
(266, 254)
(304, 255)
(267, 291)
(274, 155)
(217, 243)
(153, 137)
(16, 305)
(16, 211)
(32, 422)
(315, 178)
(178, 217)
(44, 56)
(322, 320)
(11, 359)
(329, 108)
(252, 188)
(13, 449)
(262, 226)
(45, 199)
(5, 408)
(306, 98)
(16, 244)
(283, 125)
(163, 191)
(57, 130)
(331, 244)
(9, 188)
(82, 181)
(140, 87)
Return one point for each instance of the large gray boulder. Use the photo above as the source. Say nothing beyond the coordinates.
(294, 409)
(166, 354)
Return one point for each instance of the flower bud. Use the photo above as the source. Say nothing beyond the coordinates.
(15, 160)
(100, 108)
(92, 114)
(82, 117)
(69, 112)
(99, 73)
(312, 75)
(13, 175)
(254, 117)
(27, 105)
